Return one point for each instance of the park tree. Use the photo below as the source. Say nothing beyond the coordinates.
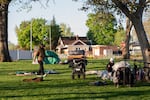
(125, 50)
(147, 28)
(132, 9)
(42, 32)
(119, 36)
(66, 30)
(90, 36)
(102, 25)
(37, 28)
(55, 33)
(4, 52)
(146, 23)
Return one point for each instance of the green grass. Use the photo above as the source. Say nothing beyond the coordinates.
(61, 86)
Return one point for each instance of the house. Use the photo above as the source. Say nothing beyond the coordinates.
(99, 51)
(135, 48)
(67, 44)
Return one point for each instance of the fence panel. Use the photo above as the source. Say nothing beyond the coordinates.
(20, 54)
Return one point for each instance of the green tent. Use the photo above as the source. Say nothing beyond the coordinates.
(52, 58)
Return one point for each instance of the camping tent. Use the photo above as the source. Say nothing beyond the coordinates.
(51, 57)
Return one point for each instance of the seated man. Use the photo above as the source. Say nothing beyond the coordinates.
(109, 66)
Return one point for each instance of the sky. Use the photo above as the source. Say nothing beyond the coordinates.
(64, 11)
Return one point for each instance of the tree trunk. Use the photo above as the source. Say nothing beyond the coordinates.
(126, 52)
(136, 19)
(4, 52)
(141, 34)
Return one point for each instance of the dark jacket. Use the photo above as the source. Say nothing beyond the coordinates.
(109, 66)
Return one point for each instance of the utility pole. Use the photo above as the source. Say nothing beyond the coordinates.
(50, 37)
(31, 36)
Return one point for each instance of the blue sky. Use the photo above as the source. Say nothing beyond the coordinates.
(65, 11)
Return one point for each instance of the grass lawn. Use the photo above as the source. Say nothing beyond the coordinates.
(61, 86)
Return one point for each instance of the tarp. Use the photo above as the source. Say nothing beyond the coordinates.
(120, 64)
(51, 57)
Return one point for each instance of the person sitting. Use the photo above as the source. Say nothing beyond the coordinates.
(109, 67)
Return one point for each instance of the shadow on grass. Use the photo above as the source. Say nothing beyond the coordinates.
(83, 95)
(57, 83)
(48, 83)
(72, 93)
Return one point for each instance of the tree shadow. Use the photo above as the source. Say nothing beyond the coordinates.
(83, 95)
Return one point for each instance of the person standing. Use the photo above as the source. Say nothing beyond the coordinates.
(40, 54)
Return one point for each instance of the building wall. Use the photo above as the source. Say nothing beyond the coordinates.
(103, 50)
(97, 50)
(78, 47)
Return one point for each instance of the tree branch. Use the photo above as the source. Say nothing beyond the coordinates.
(123, 7)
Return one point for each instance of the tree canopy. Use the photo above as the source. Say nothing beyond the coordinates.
(103, 29)
(36, 27)
(66, 30)
(133, 10)
(55, 33)
(41, 33)
(119, 36)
